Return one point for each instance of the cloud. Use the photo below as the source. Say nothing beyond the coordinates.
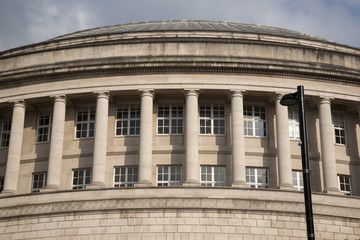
(50, 18)
(25, 22)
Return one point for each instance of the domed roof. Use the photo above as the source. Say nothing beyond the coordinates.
(188, 25)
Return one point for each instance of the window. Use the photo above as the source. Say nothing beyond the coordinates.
(344, 184)
(1, 183)
(85, 122)
(169, 176)
(212, 119)
(257, 177)
(213, 176)
(125, 176)
(254, 121)
(81, 178)
(293, 116)
(297, 180)
(38, 182)
(170, 119)
(339, 128)
(128, 120)
(5, 132)
(44, 127)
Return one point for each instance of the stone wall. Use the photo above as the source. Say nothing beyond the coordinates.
(177, 213)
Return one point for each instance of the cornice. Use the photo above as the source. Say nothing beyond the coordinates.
(142, 68)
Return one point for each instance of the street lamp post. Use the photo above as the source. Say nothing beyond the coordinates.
(288, 100)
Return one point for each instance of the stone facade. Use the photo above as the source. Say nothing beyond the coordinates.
(143, 116)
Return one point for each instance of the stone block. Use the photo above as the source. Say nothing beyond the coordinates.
(184, 228)
(228, 229)
(249, 222)
(347, 230)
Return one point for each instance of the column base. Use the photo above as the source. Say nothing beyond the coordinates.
(5, 193)
(95, 185)
(50, 188)
(143, 183)
(334, 191)
(240, 184)
(287, 187)
(191, 183)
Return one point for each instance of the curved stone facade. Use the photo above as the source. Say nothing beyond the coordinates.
(174, 130)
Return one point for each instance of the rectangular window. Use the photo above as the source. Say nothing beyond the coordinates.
(344, 182)
(297, 179)
(170, 119)
(125, 176)
(38, 182)
(339, 128)
(254, 120)
(81, 178)
(5, 132)
(293, 116)
(128, 120)
(44, 127)
(1, 183)
(169, 176)
(213, 176)
(85, 122)
(257, 177)
(212, 119)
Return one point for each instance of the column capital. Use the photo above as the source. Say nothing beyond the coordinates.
(18, 103)
(237, 92)
(191, 92)
(102, 94)
(146, 92)
(59, 98)
(325, 100)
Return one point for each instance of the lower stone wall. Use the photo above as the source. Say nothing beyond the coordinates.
(175, 224)
(48, 216)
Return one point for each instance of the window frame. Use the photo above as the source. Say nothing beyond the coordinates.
(89, 122)
(5, 133)
(256, 184)
(126, 183)
(2, 180)
(343, 140)
(45, 126)
(212, 119)
(170, 118)
(84, 184)
(349, 192)
(42, 181)
(252, 119)
(137, 119)
(298, 181)
(169, 182)
(294, 123)
(212, 182)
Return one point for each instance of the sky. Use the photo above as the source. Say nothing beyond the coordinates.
(24, 22)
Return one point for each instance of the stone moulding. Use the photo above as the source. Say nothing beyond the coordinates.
(176, 198)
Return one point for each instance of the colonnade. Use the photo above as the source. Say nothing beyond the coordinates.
(191, 142)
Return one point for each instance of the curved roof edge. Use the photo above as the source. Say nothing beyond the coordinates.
(182, 26)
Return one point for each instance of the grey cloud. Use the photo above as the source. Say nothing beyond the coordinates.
(26, 22)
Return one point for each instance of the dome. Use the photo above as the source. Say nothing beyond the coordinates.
(186, 26)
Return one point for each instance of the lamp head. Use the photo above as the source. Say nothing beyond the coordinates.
(289, 99)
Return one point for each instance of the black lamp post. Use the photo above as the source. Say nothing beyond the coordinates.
(288, 100)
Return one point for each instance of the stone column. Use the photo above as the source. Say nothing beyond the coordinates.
(14, 151)
(100, 140)
(283, 145)
(192, 140)
(56, 144)
(238, 141)
(145, 151)
(327, 147)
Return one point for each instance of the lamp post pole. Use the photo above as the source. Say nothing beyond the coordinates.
(288, 100)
